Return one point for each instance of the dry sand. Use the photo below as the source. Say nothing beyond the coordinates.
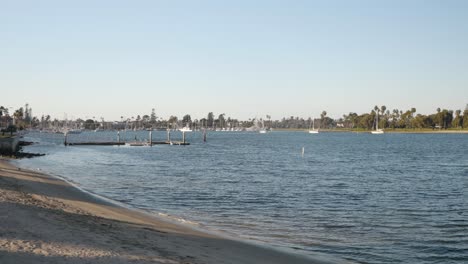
(46, 220)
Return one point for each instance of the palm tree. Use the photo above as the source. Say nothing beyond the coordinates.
(322, 117)
(439, 117)
(3, 110)
(457, 122)
(383, 108)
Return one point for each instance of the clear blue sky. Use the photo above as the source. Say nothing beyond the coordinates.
(242, 58)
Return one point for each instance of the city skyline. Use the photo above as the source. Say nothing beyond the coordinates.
(112, 59)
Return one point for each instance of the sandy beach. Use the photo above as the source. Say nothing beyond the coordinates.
(46, 220)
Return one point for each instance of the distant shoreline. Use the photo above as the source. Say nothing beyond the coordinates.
(428, 131)
(390, 131)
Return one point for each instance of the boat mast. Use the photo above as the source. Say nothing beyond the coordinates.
(377, 121)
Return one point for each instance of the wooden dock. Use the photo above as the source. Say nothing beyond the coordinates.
(94, 143)
(133, 144)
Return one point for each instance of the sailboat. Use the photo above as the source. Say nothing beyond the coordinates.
(185, 129)
(262, 129)
(377, 130)
(313, 130)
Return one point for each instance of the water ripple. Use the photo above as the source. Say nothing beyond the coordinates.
(390, 199)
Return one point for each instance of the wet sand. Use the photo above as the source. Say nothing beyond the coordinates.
(46, 220)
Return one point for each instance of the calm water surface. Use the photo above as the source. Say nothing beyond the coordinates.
(392, 198)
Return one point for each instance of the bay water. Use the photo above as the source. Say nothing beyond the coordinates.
(391, 198)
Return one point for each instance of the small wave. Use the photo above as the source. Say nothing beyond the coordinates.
(178, 219)
(454, 165)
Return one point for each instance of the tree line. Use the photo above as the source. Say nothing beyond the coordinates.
(22, 117)
(387, 119)
(406, 119)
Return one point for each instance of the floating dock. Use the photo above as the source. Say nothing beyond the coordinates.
(133, 144)
(179, 143)
(94, 143)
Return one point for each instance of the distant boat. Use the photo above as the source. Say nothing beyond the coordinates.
(68, 131)
(313, 130)
(185, 129)
(377, 130)
(262, 129)
(74, 131)
(137, 144)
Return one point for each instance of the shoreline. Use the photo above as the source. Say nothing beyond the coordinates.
(45, 219)
(388, 131)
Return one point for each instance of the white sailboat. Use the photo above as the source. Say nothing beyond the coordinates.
(313, 130)
(377, 130)
(185, 129)
(262, 129)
